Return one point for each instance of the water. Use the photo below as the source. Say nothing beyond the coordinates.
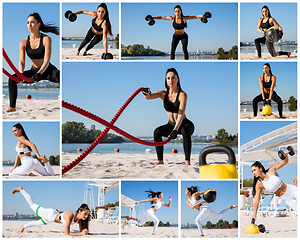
(260, 105)
(285, 48)
(69, 44)
(132, 148)
(38, 94)
(167, 57)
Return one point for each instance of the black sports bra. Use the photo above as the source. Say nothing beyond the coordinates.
(267, 84)
(178, 26)
(97, 27)
(169, 106)
(265, 25)
(37, 53)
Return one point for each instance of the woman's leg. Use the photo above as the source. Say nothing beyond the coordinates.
(51, 74)
(204, 211)
(154, 219)
(184, 41)
(255, 101)
(88, 38)
(162, 131)
(175, 41)
(23, 170)
(218, 215)
(258, 41)
(290, 197)
(187, 129)
(277, 99)
(143, 220)
(45, 171)
(95, 40)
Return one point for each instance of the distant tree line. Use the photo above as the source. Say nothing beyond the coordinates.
(222, 224)
(151, 223)
(52, 160)
(233, 53)
(224, 138)
(292, 103)
(140, 50)
(76, 132)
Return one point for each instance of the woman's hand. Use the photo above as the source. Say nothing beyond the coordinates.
(170, 199)
(12, 169)
(137, 203)
(43, 158)
(84, 232)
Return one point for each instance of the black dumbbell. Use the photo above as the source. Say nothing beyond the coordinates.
(107, 56)
(281, 153)
(261, 228)
(205, 17)
(150, 20)
(70, 15)
(146, 90)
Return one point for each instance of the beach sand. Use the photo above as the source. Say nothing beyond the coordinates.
(286, 115)
(56, 230)
(276, 227)
(132, 166)
(93, 54)
(146, 232)
(209, 233)
(30, 109)
(267, 56)
(6, 170)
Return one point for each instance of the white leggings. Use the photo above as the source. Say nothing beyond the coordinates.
(290, 196)
(28, 165)
(205, 211)
(149, 214)
(47, 214)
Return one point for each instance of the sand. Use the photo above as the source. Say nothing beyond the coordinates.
(56, 230)
(267, 56)
(32, 109)
(93, 54)
(136, 166)
(275, 115)
(276, 227)
(146, 232)
(6, 170)
(209, 233)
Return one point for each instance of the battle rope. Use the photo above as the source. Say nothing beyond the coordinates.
(109, 125)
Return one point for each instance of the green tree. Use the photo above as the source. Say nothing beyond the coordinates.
(234, 224)
(209, 224)
(222, 136)
(117, 41)
(167, 224)
(220, 53)
(233, 52)
(248, 183)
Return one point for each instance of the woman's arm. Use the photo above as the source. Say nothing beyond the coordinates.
(281, 164)
(22, 47)
(273, 79)
(256, 199)
(181, 111)
(260, 79)
(48, 48)
(69, 217)
(91, 13)
(167, 205)
(105, 32)
(16, 162)
(258, 26)
(157, 94)
(194, 206)
(164, 18)
(274, 22)
(192, 17)
(147, 200)
(31, 145)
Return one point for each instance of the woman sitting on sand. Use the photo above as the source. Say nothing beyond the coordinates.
(100, 28)
(155, 199)
(24, 148)
(263, 25)
(48, 215)
(267, 83)
(194, 202)
(175, 100)
(268, 180)
(38, 48)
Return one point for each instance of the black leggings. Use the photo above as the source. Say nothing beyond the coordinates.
(184, 40)
(259, 98)
(269, 45)
(186, 129)
(51, 74)
(90, 34)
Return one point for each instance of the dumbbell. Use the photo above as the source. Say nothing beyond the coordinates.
(281, 153)
(70, 15)
(147, 90)
(150, 20)
(205, 17)
(107, 56)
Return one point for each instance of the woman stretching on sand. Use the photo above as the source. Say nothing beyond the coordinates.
(48, 215)
(175, 101)
(263, 25)
(267, 83)
(268, 180)
(194, 202)
(155, 199)
(100, 28)
(24, 148)
(38, 48)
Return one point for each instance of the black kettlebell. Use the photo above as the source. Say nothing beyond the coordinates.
(71, 16)
(107, 56)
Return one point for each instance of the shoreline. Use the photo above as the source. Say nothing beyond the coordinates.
(274, 115)
(267, 56)
(93, 54)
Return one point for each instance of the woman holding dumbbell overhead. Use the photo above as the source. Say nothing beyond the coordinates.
(268, 180)
(175, 101)
(100, 28)
(179, 23)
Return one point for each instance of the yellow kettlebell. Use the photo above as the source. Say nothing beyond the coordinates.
(252, 228)
(217, 171)
(267, 110)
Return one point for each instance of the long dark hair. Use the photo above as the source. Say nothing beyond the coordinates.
(194, 189)
(152, 194)
(173, 70)
(106, 17)
(268, 65)
(266, 7)
(255, 179)
(20, 127)
(84, 223)
(48, 27)
(179, 7)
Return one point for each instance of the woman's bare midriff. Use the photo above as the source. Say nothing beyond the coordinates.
(281, 190)
(37, 63)
(173, 116)
(24, 155)
(179, 31)
(267, 90)
(96, 32)
(154, 209)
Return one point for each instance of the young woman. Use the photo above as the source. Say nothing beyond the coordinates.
(194, 202)
(175, 101)
(155, 199)
(48, 215)
(179, 23)
(100, 28)
(24, 148)
(38, 48)
(267, 83)
(268, 180)
(263, 25)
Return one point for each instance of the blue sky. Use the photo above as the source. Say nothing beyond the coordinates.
(45, 135)
(49, 12)
(136, 191)
(61, 195)
(227, 194)
(252, 130)
(80, 27)
(204, 37)
(102, 88)
(286, 79)
(251, 12)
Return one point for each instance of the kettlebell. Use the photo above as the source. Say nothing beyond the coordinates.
(267, 110)
(217, 171)
(252, 228)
